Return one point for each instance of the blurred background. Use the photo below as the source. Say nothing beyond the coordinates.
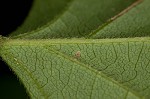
(12, 15)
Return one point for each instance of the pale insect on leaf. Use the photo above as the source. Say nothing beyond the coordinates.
(78, 54)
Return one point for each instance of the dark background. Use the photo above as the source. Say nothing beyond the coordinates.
(12, 15)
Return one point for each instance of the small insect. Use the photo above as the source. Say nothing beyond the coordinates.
(15, 59)
(78, 54)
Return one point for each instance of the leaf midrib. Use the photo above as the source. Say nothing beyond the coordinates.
(71, 41)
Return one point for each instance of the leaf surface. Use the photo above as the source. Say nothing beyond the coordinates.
(83, 68)
(42, 12)
(50, 68)
(133, 24)
(79, 19)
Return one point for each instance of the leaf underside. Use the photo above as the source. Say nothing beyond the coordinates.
(79, 68)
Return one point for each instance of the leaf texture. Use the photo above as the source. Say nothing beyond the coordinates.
(133, 24)
(50, 69)
(42, 12)
(81, 17)
(81, 68)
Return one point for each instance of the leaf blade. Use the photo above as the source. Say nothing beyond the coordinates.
(41, 13)
(65, 70)
(132, 24)
(79, 19)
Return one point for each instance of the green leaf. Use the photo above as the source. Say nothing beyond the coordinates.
(81, 68)
(81, 17)
(117, 68)
(41, 13)
(133, 24)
